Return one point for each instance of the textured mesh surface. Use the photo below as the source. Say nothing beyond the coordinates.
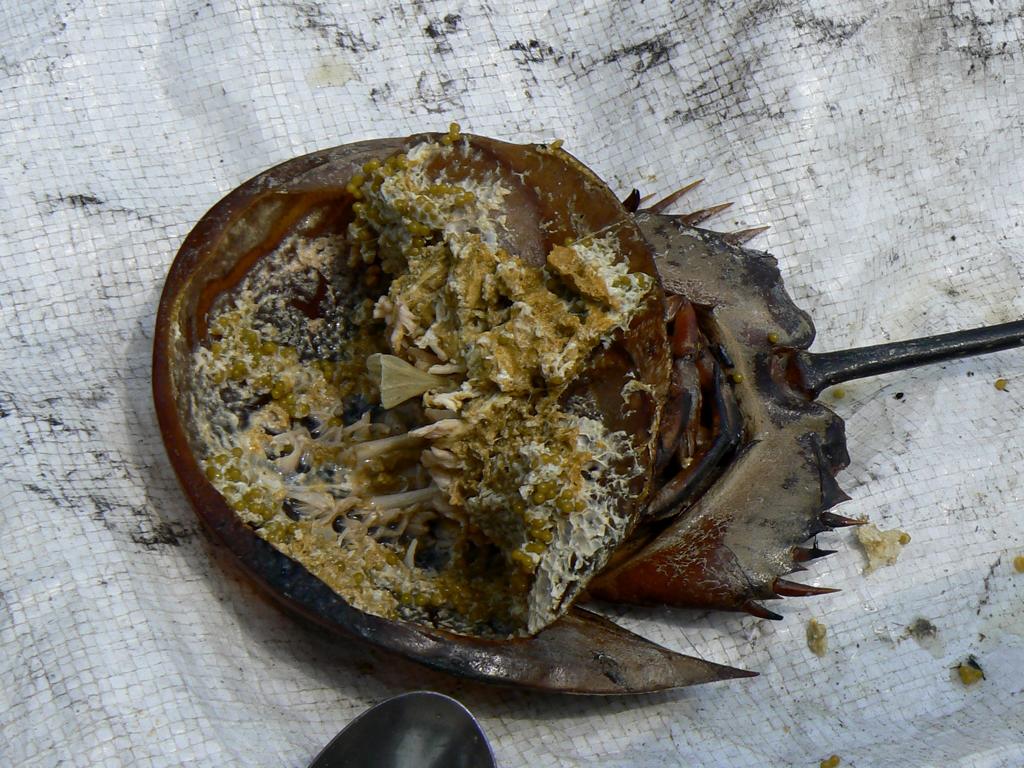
(882, 141)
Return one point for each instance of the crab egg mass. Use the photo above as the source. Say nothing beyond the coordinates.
(421, 444)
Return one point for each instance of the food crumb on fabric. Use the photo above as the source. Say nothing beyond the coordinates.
(969, 671)
(1001, 385)
(832, 761)
(817, 637)
(881, 547)
(1018, 563)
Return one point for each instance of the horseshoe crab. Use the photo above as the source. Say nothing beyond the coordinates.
(436, 392)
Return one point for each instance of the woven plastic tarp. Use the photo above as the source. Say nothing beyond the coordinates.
(883, 143)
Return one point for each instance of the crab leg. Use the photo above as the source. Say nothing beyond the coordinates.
(694, 474)
(686, 445)
(679, 417)
(700, 394)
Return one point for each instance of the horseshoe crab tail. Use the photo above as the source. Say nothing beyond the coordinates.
(814, 371)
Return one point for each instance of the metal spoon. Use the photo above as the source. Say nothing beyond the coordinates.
(421, 729)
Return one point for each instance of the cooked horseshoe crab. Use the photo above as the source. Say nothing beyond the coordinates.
(436, 392)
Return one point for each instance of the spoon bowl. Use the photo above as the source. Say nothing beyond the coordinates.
(421, 729)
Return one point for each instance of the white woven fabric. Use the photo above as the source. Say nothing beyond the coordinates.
(884, 143)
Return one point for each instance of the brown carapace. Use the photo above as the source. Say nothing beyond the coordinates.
(676, 457)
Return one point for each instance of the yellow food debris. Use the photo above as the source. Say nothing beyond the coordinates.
(832, 761)
(881, 547)
(453, 135)
(581, 275)
(1018, 563)
(1001, 385)
(838, 393)
(773, 338)
(970, 671)
(817, 638)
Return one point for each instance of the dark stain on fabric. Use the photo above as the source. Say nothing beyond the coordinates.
(206, 8)
(381, 94)
(439, 30)
(92, 399)
(976, 35)
(826, 30)
(46, 411)
(648, 53)
(89, 204)
(756, 15)
(535, 52)
(79, 201)
(728, 93)
(316, 17)
(437, 94)
(922, 630)
(137, 522)
(442, 27)
(57, 424)
(986, 585)
(101, 508)
(47, 494)
(162, 534)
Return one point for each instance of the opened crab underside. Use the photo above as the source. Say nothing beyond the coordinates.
(709, 463)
